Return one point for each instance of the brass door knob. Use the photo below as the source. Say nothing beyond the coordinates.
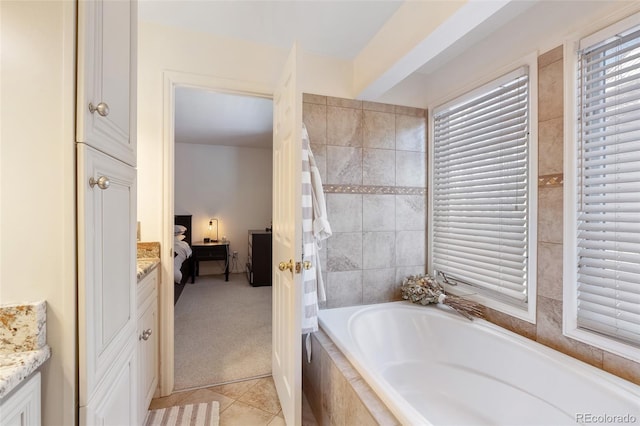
(283, 266)
(306, 265)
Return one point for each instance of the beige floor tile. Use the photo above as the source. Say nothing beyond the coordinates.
(263, 396)
(278, 421)
(206, 395)
(168, 401)
(235, 390)
(240, 414)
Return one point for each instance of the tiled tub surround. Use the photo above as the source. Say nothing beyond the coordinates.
(23, 346)
(148, 258)
(548, 329)
(372, 159)
(336, 392)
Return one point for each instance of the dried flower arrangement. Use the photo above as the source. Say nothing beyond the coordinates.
(425, 289)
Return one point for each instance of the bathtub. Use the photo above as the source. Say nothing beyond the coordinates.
(432, 367)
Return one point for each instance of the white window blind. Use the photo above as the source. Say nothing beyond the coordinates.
(480, 181)
(608, 216)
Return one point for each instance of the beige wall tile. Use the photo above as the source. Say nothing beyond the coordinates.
(550, 91)
(314, 99)
(379, 285)
(379, 167)
(550, 56)
(550, 214)
(416, 112)
(315, 119)
(550, 146)
(376, 106)
(379, 130)
(516, 325)
(550, 270)
(411, 134)
(344, 165)
(549, 333)
(622, 367)
(344, 126)
(346, 103)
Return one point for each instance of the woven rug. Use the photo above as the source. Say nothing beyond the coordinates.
(204, 414)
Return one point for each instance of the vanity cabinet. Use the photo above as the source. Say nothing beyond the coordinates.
(22, 406)
(106, 77)
(147, 301)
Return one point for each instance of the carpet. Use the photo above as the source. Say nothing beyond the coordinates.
(222, 332)
(205, 414)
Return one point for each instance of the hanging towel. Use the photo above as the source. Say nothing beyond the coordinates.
(315, 228)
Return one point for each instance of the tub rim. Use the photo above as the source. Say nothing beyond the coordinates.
(404, 411)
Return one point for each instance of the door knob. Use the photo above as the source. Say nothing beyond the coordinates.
(284, 266)
(103, 182)
(102, 108)
(306, 265)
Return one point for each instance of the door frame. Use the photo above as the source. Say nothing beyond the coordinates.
(171, 80)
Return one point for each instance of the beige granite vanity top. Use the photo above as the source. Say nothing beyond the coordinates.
(23, 338)
(148, 258)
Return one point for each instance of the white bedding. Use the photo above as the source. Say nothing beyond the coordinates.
(183, 252)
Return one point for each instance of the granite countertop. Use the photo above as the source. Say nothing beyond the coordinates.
(23, 337)
(146, 265)
(148, 258)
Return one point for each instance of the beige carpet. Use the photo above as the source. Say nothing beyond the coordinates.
(222, 332)
(205, 414)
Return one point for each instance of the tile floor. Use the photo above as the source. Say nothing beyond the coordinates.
(249, 403)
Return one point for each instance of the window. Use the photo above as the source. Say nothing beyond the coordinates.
(604, 271)
(481, 237)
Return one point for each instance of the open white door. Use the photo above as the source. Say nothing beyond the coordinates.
(287, 241)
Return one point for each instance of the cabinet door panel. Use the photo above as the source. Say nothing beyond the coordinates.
(105, 69)
(114, 403)
(106, 265)
(147, 354)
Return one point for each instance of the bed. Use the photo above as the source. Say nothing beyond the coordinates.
(182, 260)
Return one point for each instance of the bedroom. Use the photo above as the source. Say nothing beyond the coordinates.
(223, 171)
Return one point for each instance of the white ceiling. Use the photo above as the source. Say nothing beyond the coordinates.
(343, 29)
(209, 118)
(333, 28)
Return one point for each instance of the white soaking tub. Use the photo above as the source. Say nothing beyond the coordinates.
(431, 366)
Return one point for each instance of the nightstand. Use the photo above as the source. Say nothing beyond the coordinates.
(210, 251)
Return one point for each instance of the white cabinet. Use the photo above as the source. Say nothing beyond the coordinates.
(147, 341)
(106, 77)
(114, 402)
(107, 319)
(106, 197)
(22, 406)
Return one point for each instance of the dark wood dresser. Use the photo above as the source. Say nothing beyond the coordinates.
(259, 258)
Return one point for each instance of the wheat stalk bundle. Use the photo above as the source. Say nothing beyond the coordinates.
(425, 289)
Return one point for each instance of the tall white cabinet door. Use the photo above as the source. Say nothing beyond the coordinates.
(106, 266)
(115, 403)
(106, 77)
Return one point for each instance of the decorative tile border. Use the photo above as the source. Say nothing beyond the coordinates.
(370, 189)
(551, 181)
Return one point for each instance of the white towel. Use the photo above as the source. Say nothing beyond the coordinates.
(315, 228)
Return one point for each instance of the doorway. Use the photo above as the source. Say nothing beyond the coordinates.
(222, 179)
(173, 81)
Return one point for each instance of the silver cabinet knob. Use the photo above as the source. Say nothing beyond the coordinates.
(103, 182)
(146, 334)
(102, 108)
